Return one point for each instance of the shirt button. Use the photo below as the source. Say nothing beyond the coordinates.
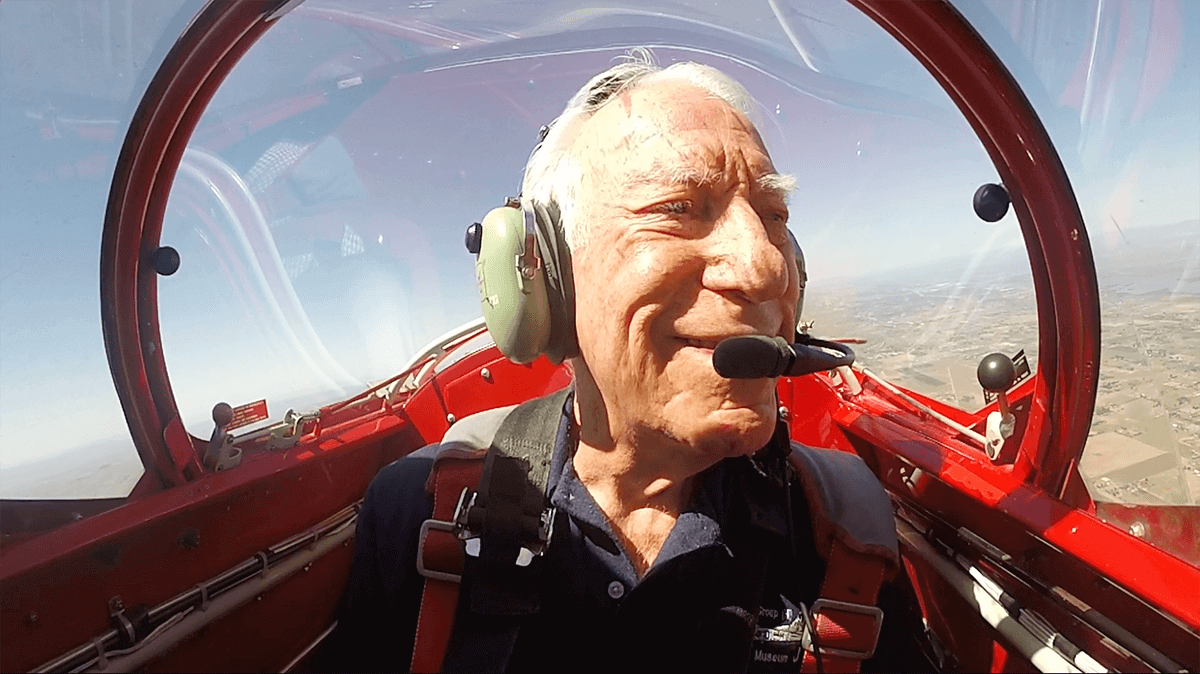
(616, 590)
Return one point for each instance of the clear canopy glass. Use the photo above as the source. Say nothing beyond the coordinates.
(71, 76)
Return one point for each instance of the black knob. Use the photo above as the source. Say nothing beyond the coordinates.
(165, 260)
(991, 202)
(996, 373)
(222, 414)
(474, 237)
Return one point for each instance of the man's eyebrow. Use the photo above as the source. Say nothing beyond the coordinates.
(665, 173)
(781, 184)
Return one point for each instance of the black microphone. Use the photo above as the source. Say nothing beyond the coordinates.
(759, 356)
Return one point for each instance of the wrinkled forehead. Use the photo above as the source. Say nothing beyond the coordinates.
(665, 124)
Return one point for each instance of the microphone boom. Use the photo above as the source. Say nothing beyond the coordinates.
(759, 357)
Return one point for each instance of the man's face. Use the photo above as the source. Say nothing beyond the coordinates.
(686, 245)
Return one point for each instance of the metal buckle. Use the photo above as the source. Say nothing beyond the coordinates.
(466, 501)
(472, 542)
(818, 608)
(458, 527)
(526, 554)
(426, 527)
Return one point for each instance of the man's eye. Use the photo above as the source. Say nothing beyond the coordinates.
(674, 207)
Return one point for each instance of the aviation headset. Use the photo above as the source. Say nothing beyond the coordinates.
(526, 287)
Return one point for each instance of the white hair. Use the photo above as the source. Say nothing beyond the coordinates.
(553, 173)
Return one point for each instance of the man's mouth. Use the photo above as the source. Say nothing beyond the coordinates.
(709, 342)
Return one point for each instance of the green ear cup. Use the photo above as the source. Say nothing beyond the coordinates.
(512, 284)
(526, 287)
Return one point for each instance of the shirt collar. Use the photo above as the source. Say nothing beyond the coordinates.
(700, 525)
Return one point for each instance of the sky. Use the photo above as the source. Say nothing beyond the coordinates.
(363, 261)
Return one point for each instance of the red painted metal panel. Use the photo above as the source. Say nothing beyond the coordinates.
(265, 634)
(143, 552)
(426, 410)
(182, 449)
(809, 401)
(507, 384)
(22, 519)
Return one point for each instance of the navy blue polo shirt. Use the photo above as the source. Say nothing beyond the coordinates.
(694, 608)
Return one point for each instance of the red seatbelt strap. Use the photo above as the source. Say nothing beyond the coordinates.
(440, 559)
(845, 617)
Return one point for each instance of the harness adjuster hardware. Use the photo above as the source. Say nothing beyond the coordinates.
(831, 607)
(468, 516)
(462, 513)
(457, 526)
(460, 527)
(426, 527)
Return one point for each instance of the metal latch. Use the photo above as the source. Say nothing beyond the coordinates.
(120, 622)
(287, 434)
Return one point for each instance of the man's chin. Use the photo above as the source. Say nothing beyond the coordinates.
(735, 431)
(735, 414)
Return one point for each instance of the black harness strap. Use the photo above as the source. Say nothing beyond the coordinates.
(510, 513)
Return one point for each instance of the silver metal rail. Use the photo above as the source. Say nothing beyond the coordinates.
(1043, 657)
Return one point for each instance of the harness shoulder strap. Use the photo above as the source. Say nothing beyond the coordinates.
(855, 533)
(505, 454)
(457, 466)
(440, 559)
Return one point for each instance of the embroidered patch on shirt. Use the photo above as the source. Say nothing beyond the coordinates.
(779, 639)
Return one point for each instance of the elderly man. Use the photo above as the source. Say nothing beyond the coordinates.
(682, 539)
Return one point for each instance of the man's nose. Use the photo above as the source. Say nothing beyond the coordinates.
(742, 260)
